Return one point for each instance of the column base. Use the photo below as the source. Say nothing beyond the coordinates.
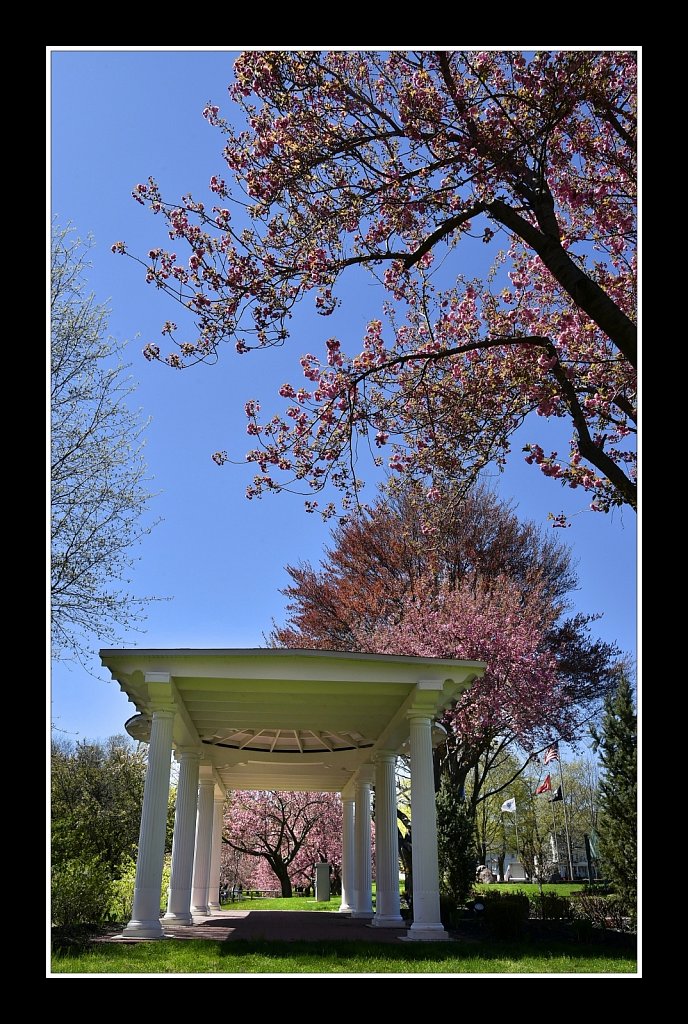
(388, 922)
(214, 908)
(366, 914)
(345, 909)
(200, 912)
(143, 930)
(426, 933)
(172, 918)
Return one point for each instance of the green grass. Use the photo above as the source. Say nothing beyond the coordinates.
(197, 956)
(280, 903)
(532, 888)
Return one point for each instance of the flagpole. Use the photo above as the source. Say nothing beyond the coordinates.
(554, 832)
(566, 823)
(518, 855)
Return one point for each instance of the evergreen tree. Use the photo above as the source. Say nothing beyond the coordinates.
(456, 850)
(617, 746)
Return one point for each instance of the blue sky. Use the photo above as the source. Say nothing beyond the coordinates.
(117, 117)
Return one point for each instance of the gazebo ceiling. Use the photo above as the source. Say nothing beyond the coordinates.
(288, 741)
(286, 719)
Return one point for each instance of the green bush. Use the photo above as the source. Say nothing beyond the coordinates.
(584, 930)
(80, 893)
(550, 906)
(450, 912)
(505, 913)
(121, 902)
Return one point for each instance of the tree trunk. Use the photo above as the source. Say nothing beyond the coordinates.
(280, 870)
(405, 854)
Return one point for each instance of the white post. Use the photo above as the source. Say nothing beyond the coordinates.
(387, 913)
(427, 925)
(145, 918)
(216, 852)
(179, 903)
(363, 877)
(204, 837)
(348, 856)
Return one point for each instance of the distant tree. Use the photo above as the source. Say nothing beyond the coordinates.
(99, 489)
(616, 741)
(392, 162)
(541, 828)
(459, 576)
(288, 831)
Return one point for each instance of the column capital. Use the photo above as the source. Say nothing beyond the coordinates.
(205, 781)
(160, 695)
(366, 776)
(163, 710)
(382, 756)
(419, 713)
(187, 754)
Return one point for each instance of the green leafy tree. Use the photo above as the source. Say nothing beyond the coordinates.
(96, 800)
(616, 742)
(99, 490)
(542, 834)
(121, 903)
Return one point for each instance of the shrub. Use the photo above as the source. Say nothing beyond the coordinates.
(601, 911)
(505, 913)
(550, 906)
(450, 912)
(584, 930)
(80, 893)
(121, 903)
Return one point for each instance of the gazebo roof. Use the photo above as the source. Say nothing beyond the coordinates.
(291, 719)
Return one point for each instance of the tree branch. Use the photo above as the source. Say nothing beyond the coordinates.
(582, 289)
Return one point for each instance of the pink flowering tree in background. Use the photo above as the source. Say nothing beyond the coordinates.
(285, 834)
(394, 162)
(461, 576)
(521, 699)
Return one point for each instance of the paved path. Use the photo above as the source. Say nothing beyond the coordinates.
(277, 926)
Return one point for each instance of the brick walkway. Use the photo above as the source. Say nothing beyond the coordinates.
(277, 926)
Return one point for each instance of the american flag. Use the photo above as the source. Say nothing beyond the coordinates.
(552, 753)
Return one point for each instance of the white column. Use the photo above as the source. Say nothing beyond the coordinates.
(204, 838)
(179, 903)
(363, 875)
(427, 925)
(387, 913)
(348, 856)
(145, 918)
(216, 852)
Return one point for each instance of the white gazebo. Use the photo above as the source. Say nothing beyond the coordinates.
(265, 719)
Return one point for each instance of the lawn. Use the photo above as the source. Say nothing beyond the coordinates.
(280, 903)
(532, 888)
(197, 956)
(244, 958)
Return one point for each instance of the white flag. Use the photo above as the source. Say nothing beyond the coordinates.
(509, 805)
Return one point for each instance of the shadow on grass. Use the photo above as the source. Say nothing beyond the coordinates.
(418, 952)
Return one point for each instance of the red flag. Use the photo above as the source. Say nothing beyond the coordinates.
(544, 787)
